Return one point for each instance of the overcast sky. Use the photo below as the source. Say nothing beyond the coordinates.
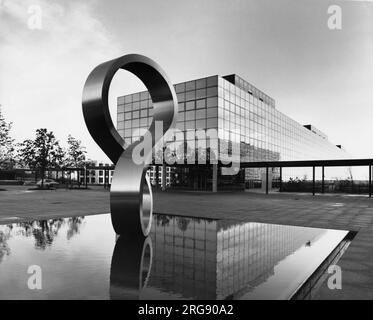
(284, 47)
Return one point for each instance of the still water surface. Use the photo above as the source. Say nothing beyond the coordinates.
(183, 258)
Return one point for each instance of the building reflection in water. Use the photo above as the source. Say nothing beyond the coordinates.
(204, 259)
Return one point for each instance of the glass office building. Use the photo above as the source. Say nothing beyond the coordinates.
(242, 115)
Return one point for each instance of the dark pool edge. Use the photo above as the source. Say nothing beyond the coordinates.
(310, 286)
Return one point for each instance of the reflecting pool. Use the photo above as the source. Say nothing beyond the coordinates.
(183, 258)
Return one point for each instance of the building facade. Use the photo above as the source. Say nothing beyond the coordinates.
(242, 115)
(101, 175)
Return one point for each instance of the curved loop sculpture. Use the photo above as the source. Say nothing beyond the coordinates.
(131, 200)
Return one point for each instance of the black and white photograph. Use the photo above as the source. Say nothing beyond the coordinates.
(211, 150)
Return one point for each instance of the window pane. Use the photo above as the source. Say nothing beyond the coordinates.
(189, 125)
(212, 112)
(190, 95)
(128, 99)
(144, 104)
(213, 91)
(120, 100)
(190, 115)
(212, 123)
(201, 114)
(180, 126)
(180, 87)
(181, 97)
(201, 93)
(144, 95)
(212, 102)
(201, 103)
(190, 105)
(127, 115)
(120, 117)
(128, 107)
(144, 122)
(190, 85)
(201, 83)
(212, 81)
(201, 124)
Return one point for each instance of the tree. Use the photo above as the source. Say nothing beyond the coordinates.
(6, 144)
(75, 152)
(42, 153)
(27, 155)
(75, 155)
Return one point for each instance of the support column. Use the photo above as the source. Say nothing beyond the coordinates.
(85, 177)
(313, 180)
(105, 179)
(370, 181)
(322, 180)
(280, 179)
(214, 177)
(163, 176)
(267, 180)
(156, 177)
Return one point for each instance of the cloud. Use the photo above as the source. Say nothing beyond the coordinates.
(42, 72)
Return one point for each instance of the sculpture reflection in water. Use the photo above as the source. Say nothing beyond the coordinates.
(130, 267)
(195, 258)
(131, 201)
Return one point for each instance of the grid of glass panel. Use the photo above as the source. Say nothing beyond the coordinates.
(185, 254)
(134, 115)
(209, 259)
(198, 108)
(248, 252)
(240, 112)
(267, 133)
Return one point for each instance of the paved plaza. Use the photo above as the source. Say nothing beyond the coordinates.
(344, 212)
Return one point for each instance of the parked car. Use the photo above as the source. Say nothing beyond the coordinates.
(48, 183)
